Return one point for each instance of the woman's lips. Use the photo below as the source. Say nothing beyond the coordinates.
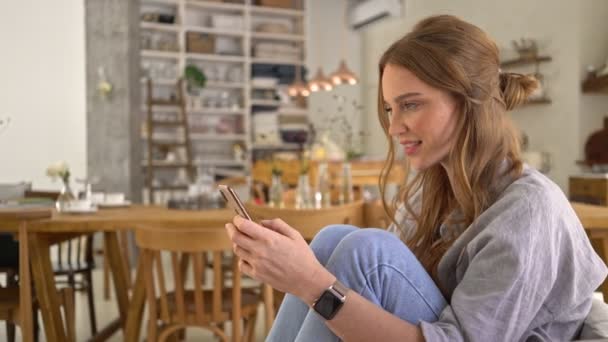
(411, 146)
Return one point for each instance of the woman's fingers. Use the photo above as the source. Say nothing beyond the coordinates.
(241, 252)
(239, 238)
(280, 227)
(250, 228)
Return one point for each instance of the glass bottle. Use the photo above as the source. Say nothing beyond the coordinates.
(322, 191)
(346, 184)
(303, 198)
(276, 192)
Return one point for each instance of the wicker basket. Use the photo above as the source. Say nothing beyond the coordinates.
(200, 42)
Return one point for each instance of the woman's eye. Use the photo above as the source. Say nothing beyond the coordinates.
(409, 106)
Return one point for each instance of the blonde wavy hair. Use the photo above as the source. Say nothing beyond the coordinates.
(457, 57)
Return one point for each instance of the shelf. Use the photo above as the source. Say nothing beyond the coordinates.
(170, 187)
(146, 25)
(159, 81)
(524, 61)
(224, 85)
(216, 6)
(158, 2)
(216, 31)
(596, 85)
(294, 112)
(216, 111)
(219, 162)
(269, 103)
(168, 123)
(217, 137)
(168, 143)
(257, 87)
(215, 58)
(256, 60)
(165, 164)
(171, 103)
(265, 10)
(159, 54)
(278, 36)
(283, 146)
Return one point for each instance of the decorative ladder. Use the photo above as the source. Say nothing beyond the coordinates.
(180, 124)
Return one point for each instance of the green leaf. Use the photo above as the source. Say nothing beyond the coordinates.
(195, 76)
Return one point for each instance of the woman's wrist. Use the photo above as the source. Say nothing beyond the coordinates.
(320, 280)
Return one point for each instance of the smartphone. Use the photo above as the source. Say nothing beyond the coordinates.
(233, 201)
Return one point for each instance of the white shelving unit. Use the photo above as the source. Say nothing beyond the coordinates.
(195, 16)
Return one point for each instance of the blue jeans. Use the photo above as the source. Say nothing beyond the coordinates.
(375, 264)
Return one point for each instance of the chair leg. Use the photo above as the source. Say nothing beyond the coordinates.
(106, 275)
(91, 298)
(67, 296)
(10, 332)
(36, 323)
(250, 327)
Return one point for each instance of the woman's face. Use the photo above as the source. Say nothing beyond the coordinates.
(422, 118)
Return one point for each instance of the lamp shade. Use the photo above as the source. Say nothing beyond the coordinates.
(298, 88)
(320, 82)
(343, 75)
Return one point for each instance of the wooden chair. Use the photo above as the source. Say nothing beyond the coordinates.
(74, 258)
(375, 216)
(10, 309)
(309, 221)
(194, 306)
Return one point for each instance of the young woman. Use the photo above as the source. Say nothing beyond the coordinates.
(483, 248)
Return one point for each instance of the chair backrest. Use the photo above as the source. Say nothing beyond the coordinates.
(75, 253)
(309, 221)
(187, 306)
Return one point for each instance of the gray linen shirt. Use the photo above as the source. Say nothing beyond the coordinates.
(524, 270)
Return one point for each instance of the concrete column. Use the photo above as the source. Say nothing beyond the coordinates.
(113, 138)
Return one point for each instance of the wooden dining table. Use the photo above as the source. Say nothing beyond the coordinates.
(44, 232)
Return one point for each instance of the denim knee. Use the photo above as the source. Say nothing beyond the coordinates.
(327, 239)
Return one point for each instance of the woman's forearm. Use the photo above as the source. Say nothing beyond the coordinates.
(360, 319)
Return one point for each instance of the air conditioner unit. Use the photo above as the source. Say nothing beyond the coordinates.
(368, 11)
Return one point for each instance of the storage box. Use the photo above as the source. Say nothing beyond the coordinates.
(200, 42)
(276, 3)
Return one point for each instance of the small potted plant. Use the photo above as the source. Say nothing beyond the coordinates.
(195, 79)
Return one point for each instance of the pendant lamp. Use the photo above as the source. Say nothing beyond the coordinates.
(343, 75)
(298, 88)
(320, 82)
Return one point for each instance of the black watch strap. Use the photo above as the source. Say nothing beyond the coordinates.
(331, 300)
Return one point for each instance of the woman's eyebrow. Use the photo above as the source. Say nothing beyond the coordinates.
(405, 96)
(402, 97)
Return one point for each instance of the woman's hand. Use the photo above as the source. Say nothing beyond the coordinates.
(278, 255)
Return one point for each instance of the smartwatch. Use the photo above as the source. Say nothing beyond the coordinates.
(331, 300)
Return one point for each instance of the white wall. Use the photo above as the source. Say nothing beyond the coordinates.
(42, 87)
(593, 51)
(555, 128)
(328, 43)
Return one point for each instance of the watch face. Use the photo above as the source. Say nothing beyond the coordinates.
(328, 305)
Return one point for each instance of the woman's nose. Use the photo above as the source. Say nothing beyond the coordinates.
(396, 127)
